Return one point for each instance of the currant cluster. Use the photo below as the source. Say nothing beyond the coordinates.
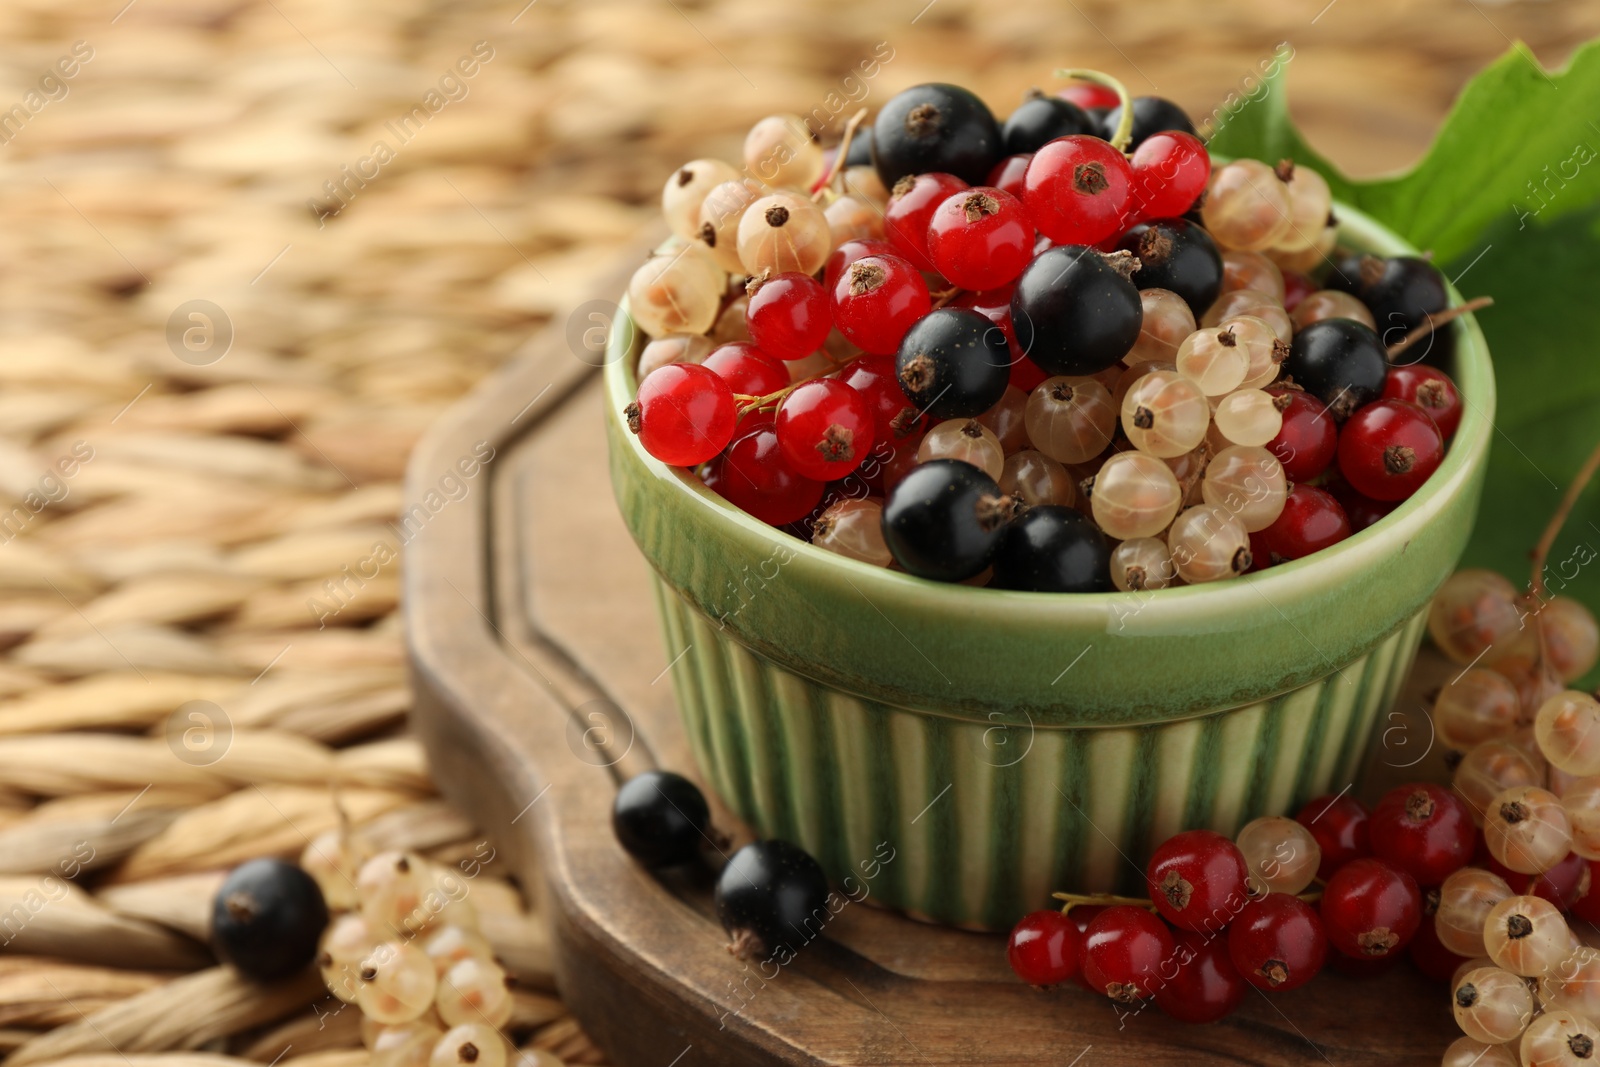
(406, 950)
(1334, 886)
(767, 894)
(1528, 768)
(1058, 353)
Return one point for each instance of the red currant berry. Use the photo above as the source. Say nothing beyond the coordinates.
(1170, 171)
(747, 370)
(825, 429)
(1296, 287)
(1388, 449)
(1362, 511)
(840, 258)
(1431, 390)
(1008, 174)
(1310, 521)
(684, 414)
(1340, 826)
(1207, 986)
(1585, 902)
(1124, 950)
(788, 315)
(1427, 952)
(1044, 948)
(912, 203)
(753, 476)
(1197, 880)
(1424, 830)
(877, 299)
(1076, 190)
(895, 419)
(1370, 910)
(1277, 943)
(1082, 915)
(1309, 440)
(1090, 94)
(980, 238)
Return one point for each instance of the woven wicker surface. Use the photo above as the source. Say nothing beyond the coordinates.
(208, 523)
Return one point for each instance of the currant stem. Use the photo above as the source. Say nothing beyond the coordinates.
(944, 298)
(844, 150)
(1541, 551)
(1434, 321)
(1310, 896)
(749, 403)
(1074, 899)
(1124, 131)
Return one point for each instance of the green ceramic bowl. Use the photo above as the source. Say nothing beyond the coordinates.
(1005, 744)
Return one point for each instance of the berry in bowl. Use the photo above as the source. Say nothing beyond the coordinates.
(1025, 524)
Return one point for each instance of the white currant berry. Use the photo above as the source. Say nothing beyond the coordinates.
(967, 440)
(1330, 304)
(1165, 414)
(780, 151)
(1166, 322)
(784, 232)
(474, 990)
(1248, 417)
(1134, 495)
(674, 348)
(1037, 479)
(1560, 1038)
(1568, 730)
(449, 945)
(1310, 203)
(1480, 705)
(686, 191)
(675, 293)
(332, 859)
(1280, 855)
(1491, 768)
(1526, 935)
(1142, 563)
(1247, 206)
(1071, 420)
(1250, 303)
(469, 1045)
(1525, 828)
(1474, 617)
(1251, 270)
(1466, 1052)
(345, 943)
(406, 1044)
(854, 529)
(1248, 482)
(1213, 360)
(1573, 984)
(1492, 1005)
(1209, 544)
(1465, 900)
(398, 982)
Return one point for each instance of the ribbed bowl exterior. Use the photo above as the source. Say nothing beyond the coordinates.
(1016, 812)
(1001, 745)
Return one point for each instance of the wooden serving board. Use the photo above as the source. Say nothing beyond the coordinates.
(533, 637)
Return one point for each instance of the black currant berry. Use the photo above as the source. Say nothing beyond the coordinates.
(660, 818)
(954, 364)
(771, 894)
(1075, 311)
(1042, 119)
(860, 154)
(1053, 549)
(1401, 292)
(1341, 362)
(1177, 255)
(935, 127)
(267, 918)
(944, 520)
(1151, 114)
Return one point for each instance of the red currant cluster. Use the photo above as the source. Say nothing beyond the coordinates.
(1058, 353)
(1223, 915)
(1528, 766)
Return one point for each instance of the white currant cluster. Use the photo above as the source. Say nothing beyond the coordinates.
(404, 947)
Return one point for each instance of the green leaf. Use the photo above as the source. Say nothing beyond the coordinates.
(1508, 198)
(1519, 143)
